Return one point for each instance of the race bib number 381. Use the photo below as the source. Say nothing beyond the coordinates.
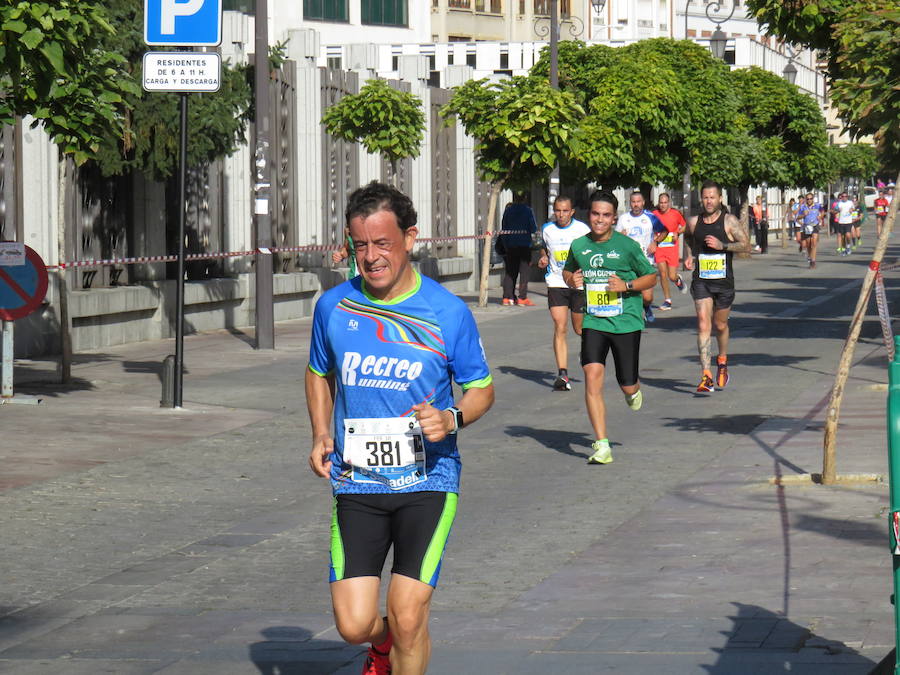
(389, 450)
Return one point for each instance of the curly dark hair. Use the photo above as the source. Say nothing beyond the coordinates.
(374, 197)
(605, 196)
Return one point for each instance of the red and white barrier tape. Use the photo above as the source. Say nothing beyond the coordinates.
(311, 248)
(884, 315)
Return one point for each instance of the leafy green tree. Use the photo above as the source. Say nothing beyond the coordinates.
(649, 116)
(860, 40)
(55, 66)
(857, 160)
(381, 118)
(522, 127)
(659, 108)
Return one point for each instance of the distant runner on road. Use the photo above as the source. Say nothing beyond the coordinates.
(811, 217)
(613, 271)
(714, 236)
(385, 349)
(667, 248)
(642, 226)
(563, 301)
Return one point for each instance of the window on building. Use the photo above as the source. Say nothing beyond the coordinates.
(384, 12)
(542, 7)
(459, 4)
(492, 6)
(325, 10)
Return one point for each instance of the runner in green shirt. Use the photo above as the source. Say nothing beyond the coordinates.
(613, 270)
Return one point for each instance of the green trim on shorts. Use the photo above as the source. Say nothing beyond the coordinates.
(337, 545)
(432, 559)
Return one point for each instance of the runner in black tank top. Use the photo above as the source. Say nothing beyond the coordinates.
(717, 230)
(712, 286)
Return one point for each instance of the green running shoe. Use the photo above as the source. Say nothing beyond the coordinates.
(602, 452)
(634, 402)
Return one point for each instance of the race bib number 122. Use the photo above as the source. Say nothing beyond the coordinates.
(712, 265)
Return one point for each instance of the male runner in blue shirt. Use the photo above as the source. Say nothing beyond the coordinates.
(384, 350)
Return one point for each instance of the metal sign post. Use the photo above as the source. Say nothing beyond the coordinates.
(192, 23)
(265, 313)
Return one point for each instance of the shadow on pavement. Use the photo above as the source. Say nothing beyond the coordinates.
(288, 650)
(541, 377)
(868, 534)
(739, 425)
(555, 439)
(762, 641)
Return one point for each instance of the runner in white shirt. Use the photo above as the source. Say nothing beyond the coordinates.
(844, 212)
(641, 225)
(557, 238)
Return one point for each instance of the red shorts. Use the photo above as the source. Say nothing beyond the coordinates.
(668, 255)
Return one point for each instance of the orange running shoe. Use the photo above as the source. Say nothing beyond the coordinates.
(706, 383)
(526, 302)
(508, 302)
(722, 374)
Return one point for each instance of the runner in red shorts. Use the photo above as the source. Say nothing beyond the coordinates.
(667, 248)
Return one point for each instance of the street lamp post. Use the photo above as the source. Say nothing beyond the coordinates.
(714, 13)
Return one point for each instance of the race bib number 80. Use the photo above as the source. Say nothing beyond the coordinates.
(601, 301)
(390, 451)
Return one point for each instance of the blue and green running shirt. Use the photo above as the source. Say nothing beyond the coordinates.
(387, 357)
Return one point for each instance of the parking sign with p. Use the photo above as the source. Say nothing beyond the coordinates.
(183, 23)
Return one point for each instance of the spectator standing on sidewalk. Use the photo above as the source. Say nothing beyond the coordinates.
(791, 217)
(760, 217)
(516, 246)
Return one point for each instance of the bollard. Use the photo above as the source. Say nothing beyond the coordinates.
(7, 356)
(168, 382)
(893, 433)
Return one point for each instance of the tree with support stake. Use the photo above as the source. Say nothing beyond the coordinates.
(522, 127)
(861, 40)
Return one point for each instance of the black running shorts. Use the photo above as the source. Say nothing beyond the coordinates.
(722, 294)
(364, 527)
(573, 298)
(596, 344)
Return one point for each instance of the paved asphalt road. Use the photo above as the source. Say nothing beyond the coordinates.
(143, 540)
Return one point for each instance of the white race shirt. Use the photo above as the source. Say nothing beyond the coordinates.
(640, 228)
(557, 241)
(845, 212)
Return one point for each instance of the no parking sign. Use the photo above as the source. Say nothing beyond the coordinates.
(23, 280)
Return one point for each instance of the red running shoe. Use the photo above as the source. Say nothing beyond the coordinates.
(526, 302)
(378, 661)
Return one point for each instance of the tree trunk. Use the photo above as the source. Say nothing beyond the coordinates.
(829, 472)
(65, 321)
(486, 251)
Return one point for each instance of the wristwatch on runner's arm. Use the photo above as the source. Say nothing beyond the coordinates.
(457, 418)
